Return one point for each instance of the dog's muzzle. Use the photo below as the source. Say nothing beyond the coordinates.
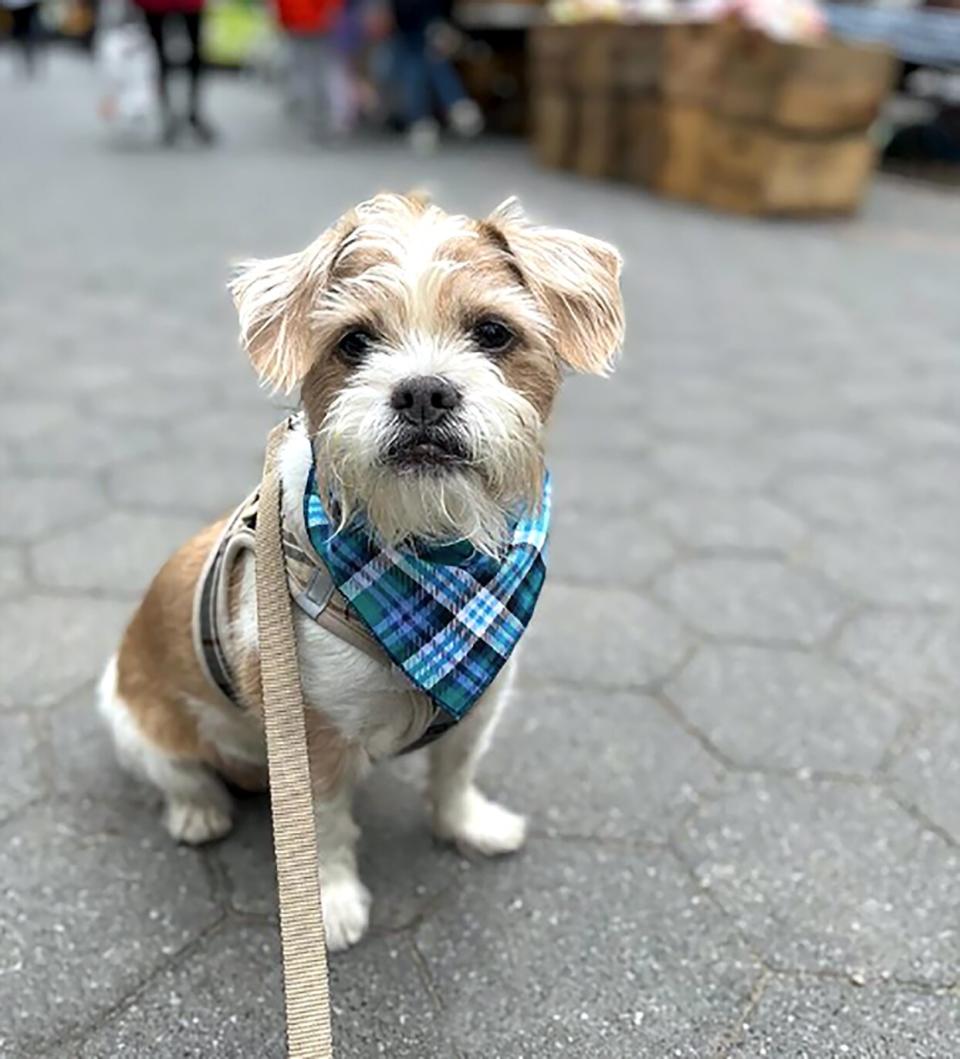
(427, 448)
(427, 436)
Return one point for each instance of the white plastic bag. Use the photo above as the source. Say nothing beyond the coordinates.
(127, 69)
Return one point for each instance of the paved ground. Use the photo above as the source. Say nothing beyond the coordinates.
(738, 734)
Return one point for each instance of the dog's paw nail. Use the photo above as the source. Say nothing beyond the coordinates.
(482, 826)
(195, 823)
(346, 910)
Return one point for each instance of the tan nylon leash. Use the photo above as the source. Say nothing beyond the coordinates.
(306, 989)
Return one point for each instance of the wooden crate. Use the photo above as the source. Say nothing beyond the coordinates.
(696, 57)
(663, 144)
(756, 169)
(599, 139)
(680, 61)
(552, 56)
(826, 87)
(553, 120)
(597, 48)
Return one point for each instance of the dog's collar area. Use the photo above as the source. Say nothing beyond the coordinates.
(443, 615)
(449, 626)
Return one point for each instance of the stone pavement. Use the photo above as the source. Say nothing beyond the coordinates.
(738, 732)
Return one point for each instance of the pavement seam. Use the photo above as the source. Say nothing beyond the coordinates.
(78, 1035)
(735, 1034)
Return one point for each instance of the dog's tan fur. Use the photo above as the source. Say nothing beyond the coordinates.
(157, 665)
(419, 279)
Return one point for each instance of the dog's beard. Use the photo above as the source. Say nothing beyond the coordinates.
(476, 472)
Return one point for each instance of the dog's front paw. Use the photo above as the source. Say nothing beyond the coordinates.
(346, 909)
(196, 822)
(479, 825)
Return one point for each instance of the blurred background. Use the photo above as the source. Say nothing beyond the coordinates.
(737, 730)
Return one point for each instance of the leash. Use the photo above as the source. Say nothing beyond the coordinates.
(303, 943)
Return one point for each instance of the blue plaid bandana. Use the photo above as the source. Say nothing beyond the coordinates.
(446, 615)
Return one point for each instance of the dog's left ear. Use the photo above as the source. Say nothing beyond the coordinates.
(578, 280)
(274, 298)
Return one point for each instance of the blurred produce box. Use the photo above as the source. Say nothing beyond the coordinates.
(823, 87)
(714, 113)
(749, 168)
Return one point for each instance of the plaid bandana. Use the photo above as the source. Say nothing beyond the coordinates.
(447, 616)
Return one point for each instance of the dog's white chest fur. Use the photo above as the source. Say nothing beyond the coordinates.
(370, 704)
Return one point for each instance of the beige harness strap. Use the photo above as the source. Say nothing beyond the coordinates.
(306, 989)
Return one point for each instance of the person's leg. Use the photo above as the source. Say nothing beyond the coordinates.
(341, 92)
(444, 79)
(23, 32)
(415, 85)
(156, 20)
(319, 110)
(412, 69)
(195, 67)
(298, 73)
(463, 113)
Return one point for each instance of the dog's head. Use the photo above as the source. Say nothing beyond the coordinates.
(429, 349)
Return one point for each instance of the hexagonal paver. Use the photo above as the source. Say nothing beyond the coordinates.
(914, 655)
(157, 402)
(921, 430)
(930, 477)
(88, 443)
(837, 498)
(596, 952)
(708, 465)
(591, 434)
(120, 553)
(401, 864)
(225, 999)
(773, 708)
(614, 639)
(690, 420)
(828, 876)
(598, 486)
(827, 449)
(927, 771)
(756, 599)
(704, 520)
(50, 645)
(210, 483)
(83, 762)
(239, 431)
(804, 1018)
(93, 902)
(25, 419)
(35, 507)
(13, 570)
(889, 570)
(20, 763)
(630, 770)
(624, 551)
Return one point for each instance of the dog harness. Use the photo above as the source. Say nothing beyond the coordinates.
(446, 617)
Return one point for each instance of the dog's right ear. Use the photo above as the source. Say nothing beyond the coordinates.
(274, 299)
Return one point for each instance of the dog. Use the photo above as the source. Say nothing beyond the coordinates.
(428, 349)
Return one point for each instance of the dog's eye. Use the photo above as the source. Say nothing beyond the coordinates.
(492, 336)
(355, 345)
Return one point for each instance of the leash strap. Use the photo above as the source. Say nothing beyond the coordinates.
(305, 985)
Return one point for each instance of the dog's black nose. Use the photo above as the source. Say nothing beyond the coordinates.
(425, 401)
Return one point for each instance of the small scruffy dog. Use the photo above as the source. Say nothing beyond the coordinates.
(428, 349)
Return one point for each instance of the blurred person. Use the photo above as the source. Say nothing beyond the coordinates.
(359, 28)
(159, 14)
(423, 45)
(124, 54)
(316, 86)
(23, 31)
